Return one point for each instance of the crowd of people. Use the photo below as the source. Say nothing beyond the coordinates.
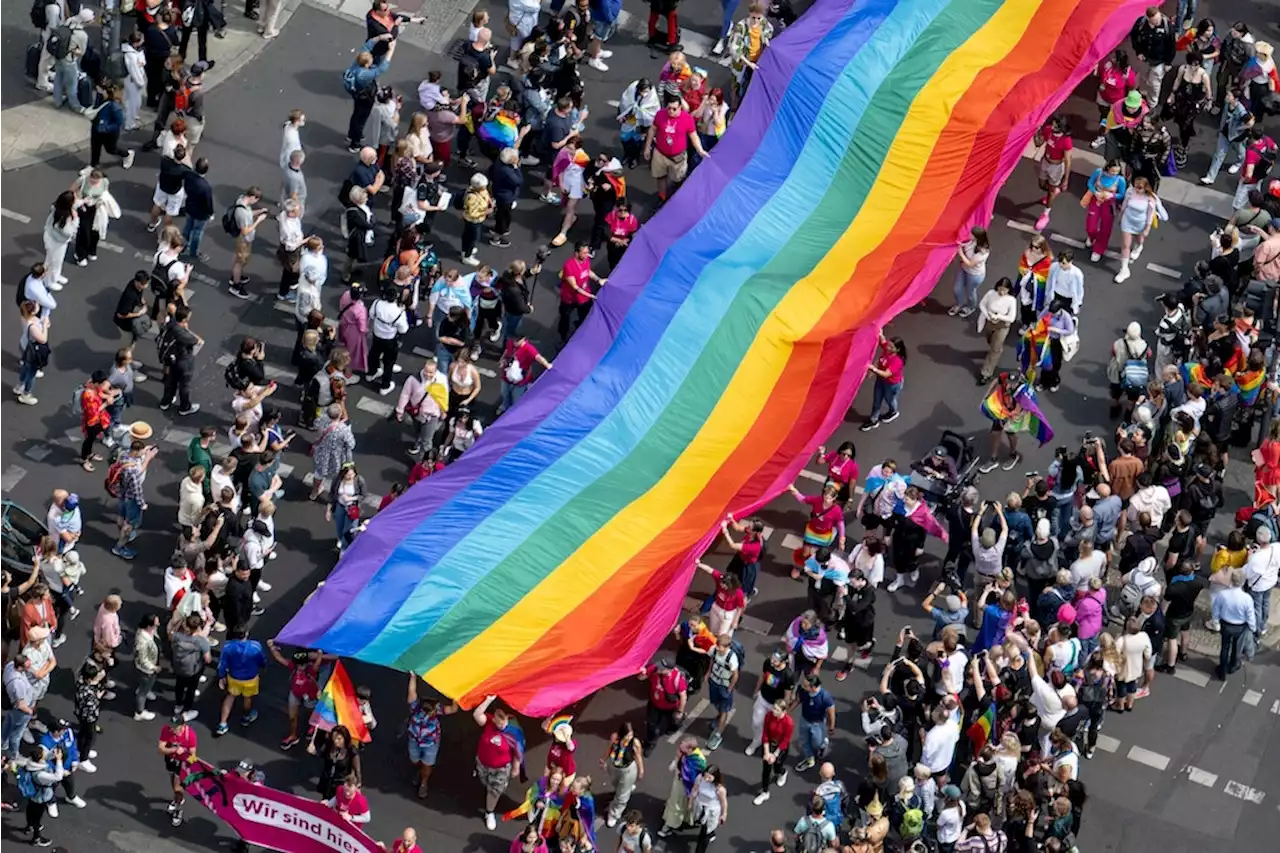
(1058, 604)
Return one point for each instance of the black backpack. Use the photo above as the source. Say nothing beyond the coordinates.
(38, 18)
(167, 346)
(1266, 162)
(234, 378)
(59, 43)
(229, 220)
(161, 285)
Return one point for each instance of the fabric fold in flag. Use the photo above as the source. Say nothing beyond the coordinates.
(337, 705)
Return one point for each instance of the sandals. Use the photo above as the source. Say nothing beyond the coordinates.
(86, 465)
(559, 240)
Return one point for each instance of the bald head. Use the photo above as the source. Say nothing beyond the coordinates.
(827, 771)
(368, 156)
(1103, 489)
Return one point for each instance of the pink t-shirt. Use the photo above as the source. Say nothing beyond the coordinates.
(1253, 152)
(1114, 84)
(892, 362)
(353, 803)
(580, 272)
(186, 740)
(840, 469)
(726, 600)
(1056, 145)
(671, 133)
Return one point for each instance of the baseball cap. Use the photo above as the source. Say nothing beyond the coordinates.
(951, 792)
(72, 502)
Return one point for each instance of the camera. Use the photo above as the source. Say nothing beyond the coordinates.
(951, 578)
(542, 253)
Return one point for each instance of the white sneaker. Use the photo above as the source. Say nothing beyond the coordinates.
(57, 641)
(490, 822)
(1233, 169)
(717, 50)
(751, 748)
(1098, 142)
(190, 715)
(54, 286)
(53, 809)
(151, 697)
(62, 279)
(88, 767)
(761, 798)
(782, 780)
(1123, 275)
(264, 586)
(27, 737)
(611, 821)
(529, 161)
(28, 399)
(896, 585)
(110, 685)
(78, 801)
(395, 368)
(1136, 252)
(144, 716)
(93, 753)
(73, 613)
(471, 260)
(203, 679)
(605, 54)
(128, 160)
(597, 64)
(1207, 181)
(257, 599)
(1094, 257)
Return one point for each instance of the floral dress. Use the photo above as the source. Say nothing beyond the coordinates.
(334, 448)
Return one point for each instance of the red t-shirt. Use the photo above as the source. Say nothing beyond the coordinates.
(525, 355)
(1253, 152)
(664, 692)
(621, 226)
(304, 680)
(671, 133)
(777, 730)
(1113, 85)
(401, 847)
(580, 272)
(1055, 146)
(562, 756)
(186, 740)
(840, 469)
(726, 600)
(352, 804)
(823, 520)
(494, 749)
(751, 550)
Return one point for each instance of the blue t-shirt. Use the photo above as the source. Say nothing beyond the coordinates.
(242, 660)
(994, 621)
(813, 706)
(943, 618)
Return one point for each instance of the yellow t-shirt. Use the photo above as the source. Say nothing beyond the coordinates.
(1224, 559)
(753, 45)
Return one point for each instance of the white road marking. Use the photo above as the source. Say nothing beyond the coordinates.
(1068, 241)
(1167, 272)
(11, 477)
(1243, 792)
(1275, 708)
(38, 452)
(284, 471)
(1106, 743)
(375, 406)
(766, 533)
(486, 372)
(1191, 676)
(424, 352)
(111, 247)
(1251, 697)
(701, 705)
(180, 437)
(225, 359)
(811, 475)
(1147, 757)
(791, 542)
(14, 215)
(1202, 777)
(1021, 226)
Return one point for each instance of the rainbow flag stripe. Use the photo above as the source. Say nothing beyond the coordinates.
(337, 705)
(555, 556)
(1249, 385)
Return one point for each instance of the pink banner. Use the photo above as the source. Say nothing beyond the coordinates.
(274, 819)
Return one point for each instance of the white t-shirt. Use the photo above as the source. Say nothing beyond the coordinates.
(952, 674)
(949, 823)
(1085, 568)
(978, 256)
(940, 745)
(872, 566)
(240, 406)
(1135, 649)
(723, 666)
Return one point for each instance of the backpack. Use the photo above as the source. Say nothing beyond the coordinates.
(351, 82)
(677, 676)
(812, 839)
(115, 471)
(161, 285)
(739, 652)
(833, 794)
(912, 825)
(187, 657)
(229, 220)
(29, 788)
(167, 347)
(59, 43)
(235, 380)
(1235, 53)
(1266, 162)
(1092, 693)
(1134, 373)
(38, 17)
(181, 99)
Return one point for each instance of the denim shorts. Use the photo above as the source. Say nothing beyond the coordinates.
(131, 512)
(721, 697)
(1126, 688)
(423, 754)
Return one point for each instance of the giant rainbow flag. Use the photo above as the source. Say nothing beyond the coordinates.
(554, 557)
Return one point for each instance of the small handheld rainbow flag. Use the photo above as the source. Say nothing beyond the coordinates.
(338, 706)
(1035, 423)
(1193, 371)
(980, 731)
(1033, 346)
(499, 131)
(995, 408)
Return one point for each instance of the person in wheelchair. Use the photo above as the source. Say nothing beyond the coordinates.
(939, 465)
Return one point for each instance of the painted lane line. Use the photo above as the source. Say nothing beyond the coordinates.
(111, 247)
(11, 477)
(1106, 743)
(766, 533)
(1191, 676)
(14, 215)
(1275, 707)
(284, 471)
(812, 475)
(376, 407)
(1147, 757)
(180, 437)
(790, 542)
(698, 708)
(1244, 792)
(38, 452)
(1251, 697)
(1202, 777)
(1167, 272)
(1068, 241)
(1024, 227)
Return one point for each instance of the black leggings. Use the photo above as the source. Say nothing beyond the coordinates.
(108, 142)
(185, 691)
(155, 71)
(86, 237)
(91, 435)
(35, 816)
(86, 733)
(769, 772)
(567, 310)
(502, 218)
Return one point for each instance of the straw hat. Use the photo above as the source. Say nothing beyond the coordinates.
(140, 430)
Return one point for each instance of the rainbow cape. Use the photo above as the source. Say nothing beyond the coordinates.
(691, 767)
(540, 805)
(1033, 347)
(1193, 371)
(500, 131)
(337, 705)
(979, 732)
(555, 556)
(1249, 385)
(812, 644)
(1039, 275)
(1024, 416)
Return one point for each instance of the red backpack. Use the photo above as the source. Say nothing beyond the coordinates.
(181, 99)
